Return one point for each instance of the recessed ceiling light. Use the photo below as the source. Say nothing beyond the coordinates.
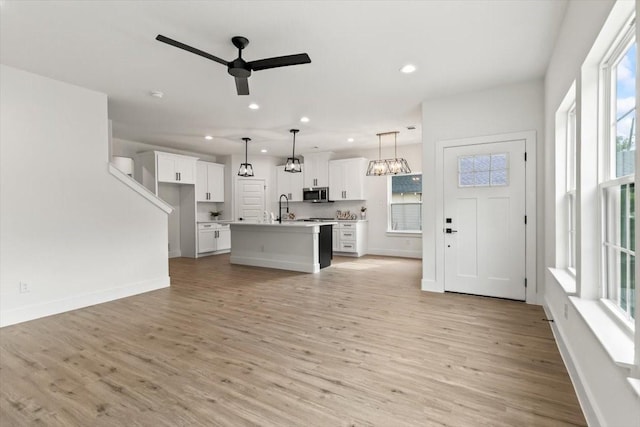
(349, 139)
(304, 119)
(156, 94)
(264, 150)
(208, 137)
(408, 69)
(254, 106)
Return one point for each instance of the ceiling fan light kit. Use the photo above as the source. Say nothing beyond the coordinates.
(239, 68)
(293, 163)
(246, 169)
(393, 166)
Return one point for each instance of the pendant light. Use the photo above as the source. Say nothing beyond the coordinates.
(293, 164)
(378, 167)
(393, 166)
(245, 168)
(397, 165)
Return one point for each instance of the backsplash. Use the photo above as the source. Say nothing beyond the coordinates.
(325, 210)
(204, 208)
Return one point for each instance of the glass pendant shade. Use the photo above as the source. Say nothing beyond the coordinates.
(393, 166)
(245, 168)
(293, 163)
(378, 168)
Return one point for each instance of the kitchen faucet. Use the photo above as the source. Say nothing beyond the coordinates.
(280, 207)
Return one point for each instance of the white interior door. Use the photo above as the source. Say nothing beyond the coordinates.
(484, 215)
(250, 197)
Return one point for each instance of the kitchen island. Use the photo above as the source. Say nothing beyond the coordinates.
(295, 246)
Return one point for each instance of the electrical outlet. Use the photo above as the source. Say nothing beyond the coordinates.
(24, 288)
(566, 311)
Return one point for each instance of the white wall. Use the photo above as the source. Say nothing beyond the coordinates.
(127, 148)
(505, 109)
(75, 234)
(606, 397)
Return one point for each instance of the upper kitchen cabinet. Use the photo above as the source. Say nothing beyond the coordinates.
(316, 170)
(152, 167)
(176, 168)
(209, 182)
(290, 184)
(346, 179)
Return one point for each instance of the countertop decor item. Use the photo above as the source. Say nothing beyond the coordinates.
(215, 214)
(363, 212)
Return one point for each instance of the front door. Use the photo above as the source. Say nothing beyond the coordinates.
(484, 219)
(250, 199)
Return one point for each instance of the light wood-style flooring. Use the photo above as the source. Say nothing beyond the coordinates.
(357, 344)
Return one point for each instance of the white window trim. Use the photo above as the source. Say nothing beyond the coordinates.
(563, 188)
(607, 122)
(390, 231)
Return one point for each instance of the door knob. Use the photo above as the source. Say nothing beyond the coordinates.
(450, 231)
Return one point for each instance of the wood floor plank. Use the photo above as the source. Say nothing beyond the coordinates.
(357, 344)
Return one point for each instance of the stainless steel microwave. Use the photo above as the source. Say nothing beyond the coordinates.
(315, 194)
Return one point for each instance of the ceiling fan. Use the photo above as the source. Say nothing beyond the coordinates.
(239, 68)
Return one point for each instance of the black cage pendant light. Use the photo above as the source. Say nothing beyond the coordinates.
(293, 164)
(245, 168)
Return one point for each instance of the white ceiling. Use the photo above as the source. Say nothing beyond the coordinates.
(352, 88)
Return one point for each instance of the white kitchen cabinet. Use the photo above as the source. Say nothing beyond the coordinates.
(209, 182)
(153, 167)
(350, 238)
(224, 238)
(290, 184)
(316, 170)
(175, 168)
(346, 179)
(213, 238)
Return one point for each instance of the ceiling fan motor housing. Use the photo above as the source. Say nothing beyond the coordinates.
(239, 68)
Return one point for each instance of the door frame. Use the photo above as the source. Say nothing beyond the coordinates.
(529, 138)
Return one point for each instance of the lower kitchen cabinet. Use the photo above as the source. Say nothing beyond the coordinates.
(350, 238)
(213, 237)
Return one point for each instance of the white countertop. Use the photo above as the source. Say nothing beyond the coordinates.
(286, 223)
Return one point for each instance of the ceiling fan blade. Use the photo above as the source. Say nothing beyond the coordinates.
(188, 48)
(242, 85)
(279, 61)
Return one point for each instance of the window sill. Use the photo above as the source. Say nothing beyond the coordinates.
(565, 279)
(400, 233)
(613, 337)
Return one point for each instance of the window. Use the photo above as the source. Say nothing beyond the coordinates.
(486, 170)
(405, 203)
(617, 188)
(571, 188)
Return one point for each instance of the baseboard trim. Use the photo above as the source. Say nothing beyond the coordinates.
(49, 308)
(431, 286)
(175, 254)
(583, 394)
(395, 252)
(272, 263)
